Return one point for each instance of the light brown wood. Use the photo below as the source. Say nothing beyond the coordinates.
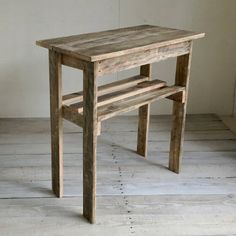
(178, 97)
(89, 141)
(114, 43)
(179, 113)
(74, 117)
(67, 60)
(124, 105)
(123, 94)
(107, 88)
(124, 62)
(144, 117)
(56, 122)
(116, 108)
(107, 52)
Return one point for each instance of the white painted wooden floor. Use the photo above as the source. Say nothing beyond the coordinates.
(134, 196)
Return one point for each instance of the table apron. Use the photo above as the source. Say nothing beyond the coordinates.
(132, 60)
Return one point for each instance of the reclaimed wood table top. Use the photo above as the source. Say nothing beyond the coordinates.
(112, 43)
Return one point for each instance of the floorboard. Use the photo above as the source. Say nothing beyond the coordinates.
(136, 196)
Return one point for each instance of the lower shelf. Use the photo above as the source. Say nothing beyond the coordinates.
(115, 107)
(134, 102)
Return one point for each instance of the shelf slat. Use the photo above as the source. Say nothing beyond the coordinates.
(124, 94)
(104, 89)
(132, 103)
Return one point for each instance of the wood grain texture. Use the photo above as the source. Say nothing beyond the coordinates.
(107, 88)
(178, 97)
(74, 62)
(110, 110)
(110, 98)
(202, 197)
(89, 141)
(132, 60)
(56, 122)
(210, 214)
(113, 43)
(72, 116)
(144, 116)
(107, 52)
(179, 113)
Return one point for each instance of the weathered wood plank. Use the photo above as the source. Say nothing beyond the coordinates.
(129, 61)
(72, 137)
(13, 127)
(129, 125)
(214, 159)
(201, 215)
(107, 88)
(202, 166)
(72, 116)
(144, 118)
(151, 198)
(114, 43)
(178, 97)
(89, 141)
(111, 97)
(56, 122)
(179, 113)
(139, 185)
(104, 145)
(67, 60)
(108, 111)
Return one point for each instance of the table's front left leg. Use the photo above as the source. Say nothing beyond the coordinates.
(56, 122)
(89, 141)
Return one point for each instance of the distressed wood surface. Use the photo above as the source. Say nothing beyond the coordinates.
(144, 116)
(76, 118)
(72, 116)
(122, 94)
(107, 88)
(179, 112)
(89, 141)
(134, 196)
(73, 62)
(113, 43)
(108, 52)
(132, 60)
(56, 122)
(129, 104)
(200, 215)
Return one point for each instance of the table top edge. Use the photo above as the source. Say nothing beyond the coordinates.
(93, 58)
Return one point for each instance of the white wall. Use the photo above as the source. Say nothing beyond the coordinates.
(24, 66)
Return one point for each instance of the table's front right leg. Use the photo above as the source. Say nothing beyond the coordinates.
(89, 141)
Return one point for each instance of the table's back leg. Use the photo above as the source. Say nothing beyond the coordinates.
(179, 113)
(56, 122)
(89, 142)
(144, 117)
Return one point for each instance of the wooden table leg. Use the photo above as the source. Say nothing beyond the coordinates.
(144, 117)
(89, 142)
(56, 122)
(179, 113)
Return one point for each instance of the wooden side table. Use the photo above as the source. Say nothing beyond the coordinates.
(107, 52)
